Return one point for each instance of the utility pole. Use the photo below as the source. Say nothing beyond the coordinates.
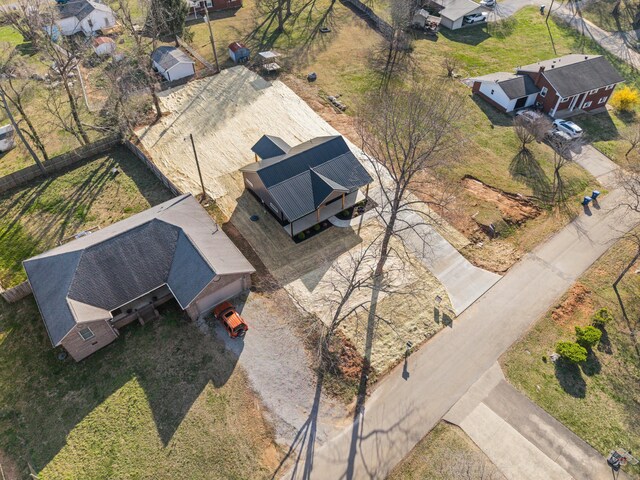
(195, 154)
(549, 12)
(19, 132)
(213, 42)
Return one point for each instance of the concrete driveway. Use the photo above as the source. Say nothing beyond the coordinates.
(521, 439)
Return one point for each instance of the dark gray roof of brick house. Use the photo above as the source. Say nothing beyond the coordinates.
(175, 243)
(573, 74)
(167, 57)
(300, 180)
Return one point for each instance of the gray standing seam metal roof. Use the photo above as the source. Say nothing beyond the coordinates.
(270, 146)
(168, 57)
(302, 179)
(573, 74)
(174, 243)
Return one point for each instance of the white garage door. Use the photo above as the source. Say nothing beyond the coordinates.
(207, 303)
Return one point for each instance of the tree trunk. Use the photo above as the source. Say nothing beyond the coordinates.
(32, 131)
(74, 110)
(19, 132)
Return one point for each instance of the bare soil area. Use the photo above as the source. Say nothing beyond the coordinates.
(578, 300)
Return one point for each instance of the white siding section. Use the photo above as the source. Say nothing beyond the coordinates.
(497, 96)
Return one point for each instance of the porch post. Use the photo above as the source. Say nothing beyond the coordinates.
(366, 194)
(318, 214)
(553, 112)
(291, 228)
(343, 201)
(255, 156)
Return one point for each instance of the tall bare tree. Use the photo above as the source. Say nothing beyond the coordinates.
(143, 45)
(522, 131)
(561, 157)
(26, 17)
(395, 53)
(16, 87)
(632, 135)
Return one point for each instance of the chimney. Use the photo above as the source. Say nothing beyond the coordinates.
(539, 74)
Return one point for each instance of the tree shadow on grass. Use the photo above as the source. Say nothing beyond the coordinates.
(526, 168)
(592, 366)
(496, 117)
(570, 378)
(605, 342)
(170, 359)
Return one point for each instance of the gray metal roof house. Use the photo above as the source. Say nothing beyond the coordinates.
(172, 63)
(88, 288)
(308, 183)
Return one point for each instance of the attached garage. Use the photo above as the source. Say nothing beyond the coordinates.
(506, 91)
(219, 291)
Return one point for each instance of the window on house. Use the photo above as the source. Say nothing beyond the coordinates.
(609, 87)
(564, 99)
(248, 182)
(86, 334)
(586, 105)
(594, 91)
(543, 92)
(492, 91)
(603, 100)
(274, 208)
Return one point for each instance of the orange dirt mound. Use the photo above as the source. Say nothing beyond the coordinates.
(513, 208)
(578, 299)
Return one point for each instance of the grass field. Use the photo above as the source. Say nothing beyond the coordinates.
(446, 453)
(36, 217)
(164, 401)
(599, 399)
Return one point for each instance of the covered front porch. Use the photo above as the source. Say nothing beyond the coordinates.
(325, 211)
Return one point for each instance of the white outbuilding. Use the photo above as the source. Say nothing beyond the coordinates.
(86, 16)
(172, 63)
(104, 46)
(7, 141)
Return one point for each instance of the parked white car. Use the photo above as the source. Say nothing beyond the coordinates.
(488, 3)
(476, 18)
(570, 128)
(559, 139)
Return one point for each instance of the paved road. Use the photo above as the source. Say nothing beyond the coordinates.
(400, 412)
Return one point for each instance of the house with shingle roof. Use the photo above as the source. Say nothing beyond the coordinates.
(306, 184)
(89, 288)
(86, 16)
(561, 86)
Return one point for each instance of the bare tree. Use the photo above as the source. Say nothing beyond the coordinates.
(561, 157)
(26, 17)
(16, 88)
(63, 58)
(522, 131)
(395, 52)
(142, 48)
(450, 64)
(632, 135)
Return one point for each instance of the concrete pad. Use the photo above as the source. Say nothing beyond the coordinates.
(513, 454)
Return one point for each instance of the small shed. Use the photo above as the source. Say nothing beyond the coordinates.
(238, 52)
(172, 63)
(423, 20)
(7, 141)
(104, 46)
(268, 61)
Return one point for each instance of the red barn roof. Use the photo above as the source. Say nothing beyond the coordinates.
(235, 46)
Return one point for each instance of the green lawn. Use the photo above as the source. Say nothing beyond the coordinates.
(446, 453)
(600, 12)
(164, 401)
(599, 399)
(36, 217)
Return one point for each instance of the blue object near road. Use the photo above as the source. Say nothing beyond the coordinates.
(595, 194)
(586, 201)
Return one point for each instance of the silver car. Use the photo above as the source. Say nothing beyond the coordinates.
(568, 127)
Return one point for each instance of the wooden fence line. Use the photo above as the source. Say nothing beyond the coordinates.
(16, 293)
(25, 175)
(139, 152)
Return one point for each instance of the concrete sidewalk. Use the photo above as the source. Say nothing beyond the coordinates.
(521, 439)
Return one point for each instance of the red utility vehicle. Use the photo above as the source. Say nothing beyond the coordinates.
(232, 321)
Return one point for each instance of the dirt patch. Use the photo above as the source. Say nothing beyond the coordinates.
(8, 467)
(577, 300)
(494, 255)
(515, 209)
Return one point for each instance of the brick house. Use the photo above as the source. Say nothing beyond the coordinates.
(197, 8)
(560, 87)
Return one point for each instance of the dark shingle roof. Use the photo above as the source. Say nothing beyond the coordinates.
(80, 8)
(514, 86)
(573, 74)
(307, 174)
(168, 57)
(175, 243)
